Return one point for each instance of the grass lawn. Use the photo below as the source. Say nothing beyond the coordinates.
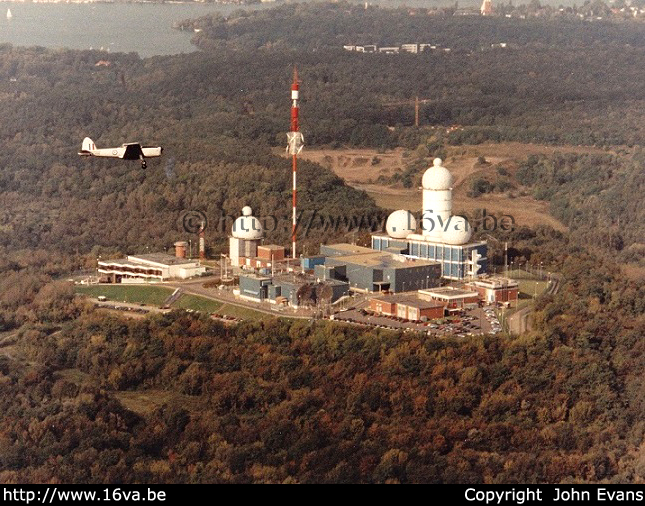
(244, 313)
(134, 294)
(197, 303)
(529, 288)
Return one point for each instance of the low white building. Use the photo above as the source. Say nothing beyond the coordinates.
(149, 268)
(410, 48)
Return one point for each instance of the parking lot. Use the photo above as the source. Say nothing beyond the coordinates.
(468, 322)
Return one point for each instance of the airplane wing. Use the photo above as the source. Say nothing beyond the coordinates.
(132, 151)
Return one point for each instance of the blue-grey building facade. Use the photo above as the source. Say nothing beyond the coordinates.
(265, 288)
(457, 261)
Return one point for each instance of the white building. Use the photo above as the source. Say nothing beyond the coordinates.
(149, 268)
(410, 48)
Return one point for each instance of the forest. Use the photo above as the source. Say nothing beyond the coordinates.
(278, 401)
(288, 402)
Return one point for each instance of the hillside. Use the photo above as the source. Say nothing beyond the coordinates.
(549, 130)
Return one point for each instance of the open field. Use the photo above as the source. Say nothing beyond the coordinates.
(151, 295)
(197, 303)
(358, 165)
(146, 401)
(524, 210)
(136, 294)
(155, 296)
(530, 288)
(361, 169)
(242, 312)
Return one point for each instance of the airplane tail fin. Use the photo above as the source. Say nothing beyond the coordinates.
(88, 146)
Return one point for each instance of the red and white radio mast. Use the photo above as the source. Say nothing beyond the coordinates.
(296, 142)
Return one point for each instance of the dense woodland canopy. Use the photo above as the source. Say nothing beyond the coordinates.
(277, 401)
(317, 402)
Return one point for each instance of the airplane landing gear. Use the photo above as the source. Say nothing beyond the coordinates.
(144, 164)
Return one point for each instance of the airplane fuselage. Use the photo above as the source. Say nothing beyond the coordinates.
(130, 151)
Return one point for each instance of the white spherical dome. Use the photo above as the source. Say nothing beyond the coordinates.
(247, 227)
(458, 231)
(437, 177)
(400, 224)
(247, 211)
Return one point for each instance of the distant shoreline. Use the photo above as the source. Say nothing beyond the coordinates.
(166, 2)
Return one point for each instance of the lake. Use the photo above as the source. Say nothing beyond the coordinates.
(144, 28)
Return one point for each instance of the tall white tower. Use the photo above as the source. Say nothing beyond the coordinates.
(245, 238)
(437, 199)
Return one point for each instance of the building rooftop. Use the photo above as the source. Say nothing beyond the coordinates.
(381, 259)
(253, 275)
(297, 279)
(419, 238)
(273, 247)
(409, 300)
(291, 279)
(349, 249)
(119, 261)
(160, 258)
(448, 292)
(494, 282)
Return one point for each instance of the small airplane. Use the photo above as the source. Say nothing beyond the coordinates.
(129, 151)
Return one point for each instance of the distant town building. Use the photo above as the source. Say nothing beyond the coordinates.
(466, 12)
(487, 8)
(410, 48)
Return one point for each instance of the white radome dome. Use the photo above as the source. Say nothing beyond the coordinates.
(247, 226)
(437, 177)
(458, 231)
(400, 224)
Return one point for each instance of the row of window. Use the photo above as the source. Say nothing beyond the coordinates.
(124, 269)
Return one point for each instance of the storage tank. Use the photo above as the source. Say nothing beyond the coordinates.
(180, 249)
